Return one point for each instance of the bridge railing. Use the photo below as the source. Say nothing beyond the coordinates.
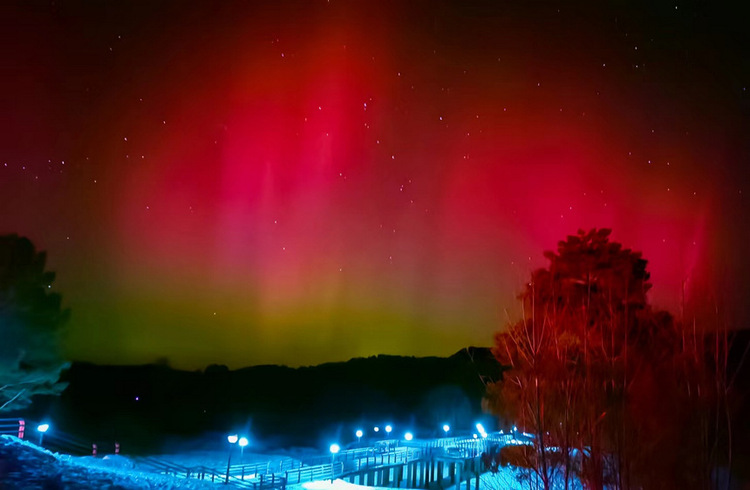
(343, 456)
(13, 427)
(263, 482)
(163, 467)
(55, 439)
(314, 473)
(401, 456)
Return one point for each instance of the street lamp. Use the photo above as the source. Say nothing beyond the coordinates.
(335, 448)
(388, 430)
(359, 435)
(242, 442)
(376, 429)
(232, 439)
(408, 436)
(42, 428)
(446, 429)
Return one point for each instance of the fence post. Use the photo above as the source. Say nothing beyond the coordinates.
(93, 450)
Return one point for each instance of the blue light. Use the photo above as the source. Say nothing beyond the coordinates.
(335, 448)
(43, 428)
(408, 436)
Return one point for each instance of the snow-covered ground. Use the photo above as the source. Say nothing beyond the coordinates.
(336, 485)
(24, 465)
(508, 479)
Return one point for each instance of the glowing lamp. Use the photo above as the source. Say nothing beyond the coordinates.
(42, 428)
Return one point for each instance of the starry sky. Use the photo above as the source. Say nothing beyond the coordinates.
(298, 182)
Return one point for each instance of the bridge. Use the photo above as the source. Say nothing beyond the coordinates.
(434, 463)
(441, 463)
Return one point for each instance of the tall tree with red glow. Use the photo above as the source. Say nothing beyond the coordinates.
(601, 377)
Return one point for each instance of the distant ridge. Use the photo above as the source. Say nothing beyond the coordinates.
(142, 404)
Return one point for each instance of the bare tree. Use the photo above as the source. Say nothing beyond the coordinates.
(595, 373)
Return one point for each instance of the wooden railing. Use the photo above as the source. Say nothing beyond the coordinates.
(54, 439)
(13, 427)
(314, 473)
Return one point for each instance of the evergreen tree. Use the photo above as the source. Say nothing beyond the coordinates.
(30, 321)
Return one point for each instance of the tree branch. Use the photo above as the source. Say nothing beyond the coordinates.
(12, 399)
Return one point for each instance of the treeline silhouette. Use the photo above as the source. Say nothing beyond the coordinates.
(141, 406)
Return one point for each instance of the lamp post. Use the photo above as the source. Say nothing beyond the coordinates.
(408, 436)
(388, 430)
(335, 448)
(446, 429)
(359, 434)
(232, 440)
(42, 428)
(242, 442)
(376, 429)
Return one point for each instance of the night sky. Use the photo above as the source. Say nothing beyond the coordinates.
(307, 181)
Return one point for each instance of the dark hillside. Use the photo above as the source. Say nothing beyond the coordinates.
(141, 405)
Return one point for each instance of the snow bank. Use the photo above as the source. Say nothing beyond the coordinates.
(336, 485)
(25, 465)
(507, 478)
